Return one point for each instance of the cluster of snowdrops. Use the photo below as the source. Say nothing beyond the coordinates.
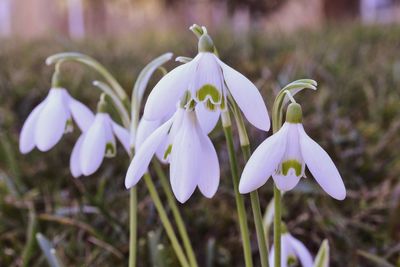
(180, 112)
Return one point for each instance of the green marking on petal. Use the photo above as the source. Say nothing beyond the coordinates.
(111, 151)
(69, 126)
(208, 91)
(289, 164)
(291, 260)
(167, 152)
(210, 106)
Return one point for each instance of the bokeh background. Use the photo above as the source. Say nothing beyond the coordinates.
(351, 47)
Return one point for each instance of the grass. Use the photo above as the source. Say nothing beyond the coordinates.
(354, 115)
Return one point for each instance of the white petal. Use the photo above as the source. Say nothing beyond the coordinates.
(167, 93)
(207, 119)
(247, 96)
(75, 161)
(288, 182)
(263, 162)
(123, 136)
(94, 145)
(301, 252)
(209, 170)
(185, 160)
(321, 166)
(144, 130)
(208, 71)
(51, 123)
(82, 115)
(27, 136)
(144, 154)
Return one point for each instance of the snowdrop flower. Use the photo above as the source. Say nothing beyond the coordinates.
(209, 81)
(292, 250)
(186, 146)
(96, 143)
(285, 155)
(48, 121)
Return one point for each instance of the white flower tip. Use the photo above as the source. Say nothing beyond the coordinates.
(244, 188)
(44, 146)
(341, 195)
(87, 169)
(24, 149)
(182, 199)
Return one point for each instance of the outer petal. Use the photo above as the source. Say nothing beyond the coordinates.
(144, 154)
(167, 92)
(301, 251)
(27, 137)
(286, 183)
(247, 97)
(82, 115)
(264, 161)
(185, 160)
(94, 145)
(122, 135)
(51, 123)
(75, 160)
(321, 166)
(209, 170)
(207, 119)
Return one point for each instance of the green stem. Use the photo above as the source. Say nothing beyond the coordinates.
(177, 215)
(258, 220)
(132, 226)
(277, 226)
(165, 221)
(244, 229)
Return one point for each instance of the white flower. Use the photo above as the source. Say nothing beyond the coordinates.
(48, 121)
(192, 157)
(208, 80)
(96, 143)
(291, 251)
(285, 155)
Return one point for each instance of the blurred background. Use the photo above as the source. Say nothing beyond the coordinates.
(351, 47)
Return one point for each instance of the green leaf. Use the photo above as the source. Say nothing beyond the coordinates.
(379, 261)
(322, 258)
(48, 251)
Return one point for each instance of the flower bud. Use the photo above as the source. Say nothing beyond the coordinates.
(294, 113)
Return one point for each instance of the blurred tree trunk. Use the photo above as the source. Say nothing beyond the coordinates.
(338, 9)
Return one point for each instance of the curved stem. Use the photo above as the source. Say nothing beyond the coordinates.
(177, 215)
(244, 229)
(94, 64)
(116, 100)
(165, 221)
(132, 226)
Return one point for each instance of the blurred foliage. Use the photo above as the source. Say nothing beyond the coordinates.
(354, 115)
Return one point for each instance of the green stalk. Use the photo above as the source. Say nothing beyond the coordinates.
(177, 215)
(132, 226)
(277, 226)
(258, 219)
(165, 221)
(244, 229)
(255, 201)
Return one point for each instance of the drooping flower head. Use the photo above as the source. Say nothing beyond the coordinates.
(53, 117)
(292, 251)
(96, 143)
(210, 82)
(285, 155)
(191, 155)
